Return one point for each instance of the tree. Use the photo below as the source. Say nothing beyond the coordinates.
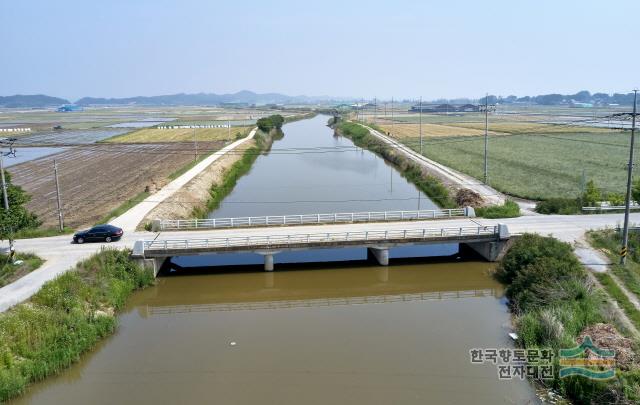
(591, 195)
(266, 124)
(18, 217)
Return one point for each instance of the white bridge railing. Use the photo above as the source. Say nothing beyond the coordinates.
(310, 219)
(609, 208)
(315, 238)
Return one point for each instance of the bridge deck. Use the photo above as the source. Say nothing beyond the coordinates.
(278, 241)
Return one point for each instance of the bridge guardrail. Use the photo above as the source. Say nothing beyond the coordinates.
(317, 238)
(309, 219)
(610, 208)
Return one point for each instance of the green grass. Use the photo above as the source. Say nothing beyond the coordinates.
(41, 232)
(609, 241)
(509, 209)
(537, 166)
(66, 318)
(617, 294)
(124, 207)
(10, 272)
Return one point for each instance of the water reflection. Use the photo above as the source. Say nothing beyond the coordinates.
(311, 171)
(244, 288)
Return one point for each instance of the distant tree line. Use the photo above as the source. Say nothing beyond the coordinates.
(559, 99)
(266, 124)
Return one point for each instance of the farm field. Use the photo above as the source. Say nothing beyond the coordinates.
(401, 131)
(101, 117)
(96, 179)
(537, 166)
(535, 152)
(150, 135)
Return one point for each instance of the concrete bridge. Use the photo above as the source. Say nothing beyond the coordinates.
(60, 255)
(488, 241)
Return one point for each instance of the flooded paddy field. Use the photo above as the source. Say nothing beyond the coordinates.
(69, 136)
(28, 154)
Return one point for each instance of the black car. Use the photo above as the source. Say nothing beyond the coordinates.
(99, 233)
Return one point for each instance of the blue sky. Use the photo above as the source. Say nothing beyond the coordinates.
(121, 48)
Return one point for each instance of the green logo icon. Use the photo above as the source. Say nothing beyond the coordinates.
(587, 360)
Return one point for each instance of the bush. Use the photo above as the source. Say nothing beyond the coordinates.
(592, 194)
(615, 198)
(528, 249)
(532, 288)
(509, 209)
(554, 302)
(563, 206)
(67, 317)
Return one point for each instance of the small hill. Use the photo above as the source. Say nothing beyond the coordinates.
(28, 101)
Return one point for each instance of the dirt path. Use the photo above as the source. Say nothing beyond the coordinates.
(129, 220)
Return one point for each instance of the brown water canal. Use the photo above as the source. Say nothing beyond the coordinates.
(325, 333)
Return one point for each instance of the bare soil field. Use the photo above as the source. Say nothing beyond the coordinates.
(95, 179)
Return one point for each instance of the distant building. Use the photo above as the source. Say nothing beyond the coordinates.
(576, 104)
(444, 108)
(69, 108)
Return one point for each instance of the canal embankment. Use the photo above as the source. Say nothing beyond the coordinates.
(556, 304)
(66, 318)
(427, 183)
(204, 192)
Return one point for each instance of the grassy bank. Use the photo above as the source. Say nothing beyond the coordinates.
(124, 207)
(553, 301)
(621, 298)
(609, 242)
(241, 167)
(426, 183)
(41, 232)
(509, 209)
(67, 317)
(10, 272)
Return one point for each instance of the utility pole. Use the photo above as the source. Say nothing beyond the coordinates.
(60, 215)
(392, 113)
(12, 152)
(4, 184)
(229, 126)
(391, 177)
(195, 144)
(420, 115)
(625, 234)
(486, 108)
(375, 111)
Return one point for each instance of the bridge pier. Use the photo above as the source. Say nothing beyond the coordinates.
(153, 264)
(268, 262)
(493, 251)
(268, 259)
(381, 254)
